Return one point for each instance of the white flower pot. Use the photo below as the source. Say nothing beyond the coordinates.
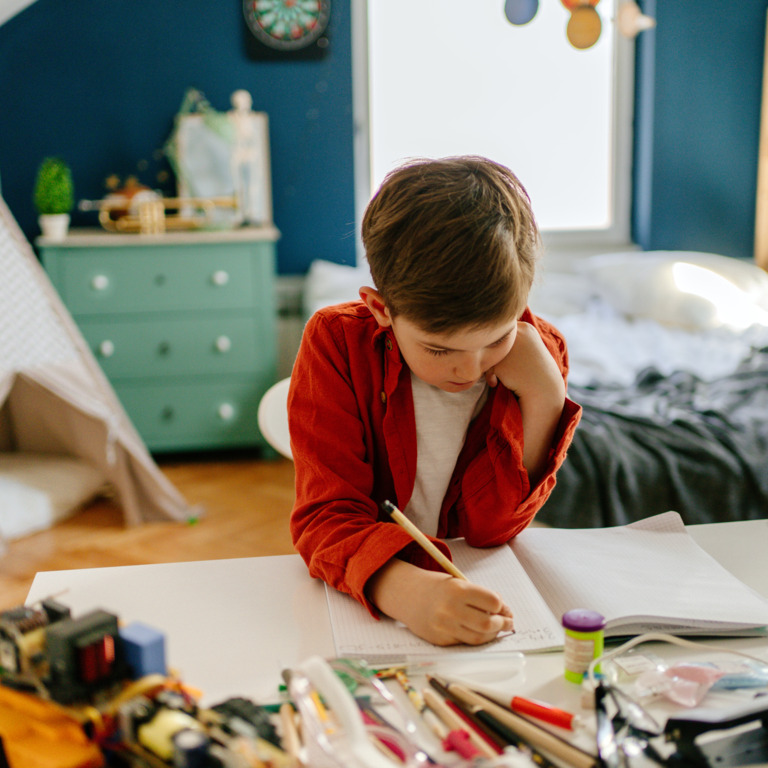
(54, 226)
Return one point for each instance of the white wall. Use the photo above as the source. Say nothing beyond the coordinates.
(9, 8)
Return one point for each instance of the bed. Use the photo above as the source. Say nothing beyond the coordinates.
(669, 359)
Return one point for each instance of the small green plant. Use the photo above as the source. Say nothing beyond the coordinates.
(54, 191)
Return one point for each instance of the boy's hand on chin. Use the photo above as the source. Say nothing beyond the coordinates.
(437, 607)
(530, 371)
(528, 367)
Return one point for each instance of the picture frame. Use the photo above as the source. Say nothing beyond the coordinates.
(225, 157)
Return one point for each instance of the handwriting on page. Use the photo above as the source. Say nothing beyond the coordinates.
(356, 633)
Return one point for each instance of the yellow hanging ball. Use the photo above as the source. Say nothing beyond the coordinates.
(584, 27)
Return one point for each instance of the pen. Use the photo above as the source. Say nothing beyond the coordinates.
(419, 537)
(544, 712)
(455, 723)
(291, 741)
(527, 732)
(452, 741)
(502, 732)
(473, 722)
(529, 707)
(475, 725)
(386, 746)
(414, 696)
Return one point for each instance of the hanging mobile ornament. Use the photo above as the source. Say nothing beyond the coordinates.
(584, 26)
(519, 12)
(631, 21)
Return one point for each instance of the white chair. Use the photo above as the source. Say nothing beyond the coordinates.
(273, 417)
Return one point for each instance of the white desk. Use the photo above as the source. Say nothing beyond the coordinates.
(233, 625)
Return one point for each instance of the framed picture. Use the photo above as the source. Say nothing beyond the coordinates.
(221, 155)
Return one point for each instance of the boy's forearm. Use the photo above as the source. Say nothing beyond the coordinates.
(541, 411)
(386, 587)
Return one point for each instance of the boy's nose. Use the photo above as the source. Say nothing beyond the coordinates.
(469, 368)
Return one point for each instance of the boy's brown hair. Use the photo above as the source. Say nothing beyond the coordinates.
(451, 243)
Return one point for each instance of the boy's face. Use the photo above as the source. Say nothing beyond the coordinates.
(453, 361)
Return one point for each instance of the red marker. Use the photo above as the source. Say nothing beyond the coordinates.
(536, 709)
(544, 712)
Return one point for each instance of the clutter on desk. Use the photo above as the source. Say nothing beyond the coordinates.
(703, 730)
(91, 691)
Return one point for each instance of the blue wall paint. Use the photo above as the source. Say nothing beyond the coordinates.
(699, 81)
(99, 83)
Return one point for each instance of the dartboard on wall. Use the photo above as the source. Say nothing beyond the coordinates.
(278, 29)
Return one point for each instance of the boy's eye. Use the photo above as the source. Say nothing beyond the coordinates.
(501, 341)
(436, 352)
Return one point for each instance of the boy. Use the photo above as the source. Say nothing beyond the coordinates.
(439, 391)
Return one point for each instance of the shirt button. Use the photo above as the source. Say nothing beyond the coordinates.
(383, 397)
(389, 343)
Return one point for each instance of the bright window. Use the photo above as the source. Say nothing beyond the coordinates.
(448, 77)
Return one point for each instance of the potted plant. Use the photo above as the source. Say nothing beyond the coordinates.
(54, 197)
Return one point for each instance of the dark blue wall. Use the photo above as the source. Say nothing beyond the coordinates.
(699, 82)
(99, 82)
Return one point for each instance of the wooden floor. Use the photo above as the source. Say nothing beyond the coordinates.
(247, 503)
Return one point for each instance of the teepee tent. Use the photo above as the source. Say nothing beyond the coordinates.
(54, 398)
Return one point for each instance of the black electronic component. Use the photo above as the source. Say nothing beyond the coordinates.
(21, 639)
(55, 611)
(85, 655)
(246, 711)
(176, 700)
(191, 749)
(23, 619)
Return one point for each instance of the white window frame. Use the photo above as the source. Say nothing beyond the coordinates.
(564, 243)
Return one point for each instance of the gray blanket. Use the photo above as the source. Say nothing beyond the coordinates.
(674, 442)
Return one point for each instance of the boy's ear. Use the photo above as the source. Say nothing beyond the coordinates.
(375, 303)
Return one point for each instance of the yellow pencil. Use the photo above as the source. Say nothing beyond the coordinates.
(419, 537)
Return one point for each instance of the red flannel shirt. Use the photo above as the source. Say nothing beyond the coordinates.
(353, 438)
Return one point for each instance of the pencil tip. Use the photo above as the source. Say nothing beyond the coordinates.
(388, 506)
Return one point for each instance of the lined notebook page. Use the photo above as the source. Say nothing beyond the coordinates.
(356, 633)
(641, 576)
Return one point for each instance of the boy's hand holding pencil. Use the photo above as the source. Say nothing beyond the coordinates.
(442, 608)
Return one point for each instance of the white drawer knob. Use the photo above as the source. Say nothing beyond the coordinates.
(106, 348)
(223, 344)
(100, 283)
(220, 277)
(226, 411)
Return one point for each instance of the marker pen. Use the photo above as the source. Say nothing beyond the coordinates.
(544, 712)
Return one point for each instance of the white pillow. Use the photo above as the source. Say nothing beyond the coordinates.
(40, 489)
(554, 294)
(684, 289)
(329, 283)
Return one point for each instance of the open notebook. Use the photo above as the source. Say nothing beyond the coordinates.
(647, 576)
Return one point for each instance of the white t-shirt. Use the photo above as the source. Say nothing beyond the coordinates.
(442, 419)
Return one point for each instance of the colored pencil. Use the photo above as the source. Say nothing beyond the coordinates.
(419, 537)
(527, 732)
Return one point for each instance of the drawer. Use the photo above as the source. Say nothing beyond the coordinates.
(107, 280)
(173, 346)
(195, 414)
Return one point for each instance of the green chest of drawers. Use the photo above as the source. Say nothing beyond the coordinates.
(182, 324)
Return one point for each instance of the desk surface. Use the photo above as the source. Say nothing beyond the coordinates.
(233, 625)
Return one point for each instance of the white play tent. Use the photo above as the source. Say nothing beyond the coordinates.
(57, 406)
